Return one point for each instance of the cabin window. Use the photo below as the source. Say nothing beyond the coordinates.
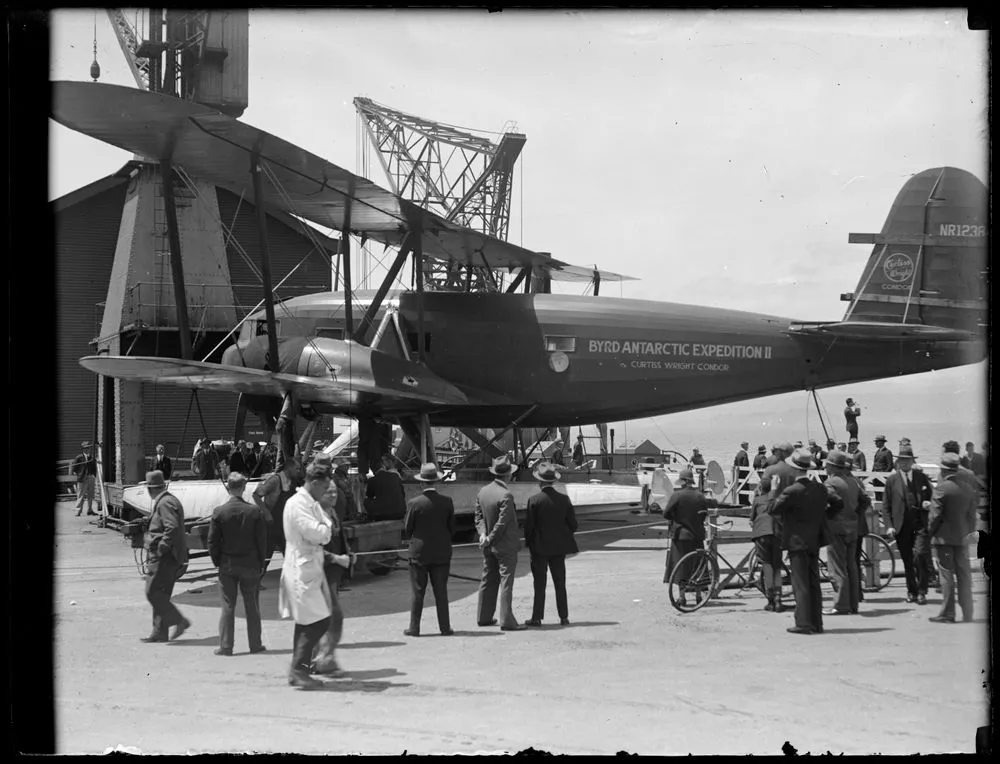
(411, 340)
(564, 344)
(330, 333)
(262, 328)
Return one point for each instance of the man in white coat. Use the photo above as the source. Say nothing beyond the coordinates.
(304, 594)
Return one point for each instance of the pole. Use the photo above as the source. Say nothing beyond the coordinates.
(176, 264)
(345, 256)
(265, 263)
(418, 261)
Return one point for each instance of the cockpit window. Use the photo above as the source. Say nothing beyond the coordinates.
(262, 328)
(564, 344)
(330, 333)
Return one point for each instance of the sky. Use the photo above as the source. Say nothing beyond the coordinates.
(721, 157)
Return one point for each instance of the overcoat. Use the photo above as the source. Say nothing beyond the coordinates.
(304, 594)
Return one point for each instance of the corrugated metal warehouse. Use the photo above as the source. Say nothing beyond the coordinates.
(87, 225)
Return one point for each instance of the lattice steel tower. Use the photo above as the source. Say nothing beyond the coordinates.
(460, 176)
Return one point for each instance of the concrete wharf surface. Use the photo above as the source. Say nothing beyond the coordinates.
(629, 673)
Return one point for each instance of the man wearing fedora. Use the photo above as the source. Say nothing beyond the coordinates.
(162, 462)
(760, 460)
(384, 495)
(906, 500)
(167, 558)
(430, 525)
(85, 470)
(778, 471)
(851, 413)
(548, 533)
(802, 508)
(842, 526)
(859, 462)
(237, 539)
(499, 540)
(742, 458)
(882, 460)
(952, 519)
(686, 511)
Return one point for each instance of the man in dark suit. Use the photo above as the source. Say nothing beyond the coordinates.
(905, 502)
(882, 460)
(779, 472)
(760, 460)
(384, 495)
(429, 524)
(686, 511)
(842, 531)
(85, 470)
(162, 462)
(237, 540)
(802, 508)
(167, 561)
(860, 464)
(548, 534)
(952, 519)
(742, 458)
(499, 540)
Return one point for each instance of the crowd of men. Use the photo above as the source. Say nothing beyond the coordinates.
(300, 509)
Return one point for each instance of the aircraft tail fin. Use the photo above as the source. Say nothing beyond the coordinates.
(928, 266)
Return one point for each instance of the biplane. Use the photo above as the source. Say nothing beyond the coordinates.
(524, 356)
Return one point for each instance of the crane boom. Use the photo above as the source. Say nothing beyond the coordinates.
(129, 43)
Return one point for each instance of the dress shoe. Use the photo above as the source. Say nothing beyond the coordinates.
(533, 622)
(180, 629)
(515, 627)
(911, 598)
(154, 638)
(941, 619)
(299, 678)
(800, 630)
(79, 513)
(769, 607)
(564, 621)
(222, 651)
(966, 619)
(489, 623)
(255, 650)
(411, 633)
(447, 632)
(921, 599)
(329, 668)
(91, 513)
(861, 597)
(854, 612)
(834, 611)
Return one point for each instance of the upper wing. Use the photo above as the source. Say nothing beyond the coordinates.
(217, 148)
(348, 394)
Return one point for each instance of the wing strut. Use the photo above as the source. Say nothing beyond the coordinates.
(383, 290)
(492, 440)
(176, 264)
(265, 262)
(345, 257)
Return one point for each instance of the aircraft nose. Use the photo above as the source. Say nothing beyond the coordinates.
(231, 356)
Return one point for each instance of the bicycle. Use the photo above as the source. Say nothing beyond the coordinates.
(879, 567)
(697, 573)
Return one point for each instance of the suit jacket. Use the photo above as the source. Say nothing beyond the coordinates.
(782, 475)
(687, 509)
(895, 498)
(760, 461)
(550, 524)
(496, 518)
(384, 496)
(741, 459)
(762, 522)
(430, 524)
(860, 462)
(842, 518)
(237, 535)
(882, 461)
(802, 508)
(165, 466)
(166, 529)
(952, 512)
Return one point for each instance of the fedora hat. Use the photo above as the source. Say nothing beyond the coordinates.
(762, 448)
(745, 444)
(880, 438)
(950, 461)
(86, 444)
(429, 473)
(839, 459)
(545, 472)
(801, 459)
(905, 452)
(686, 476)
(853, 439)
(154, 479)
(503, 466)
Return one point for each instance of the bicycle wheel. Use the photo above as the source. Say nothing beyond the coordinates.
(882, 563)
(693, 580)
(754, 573)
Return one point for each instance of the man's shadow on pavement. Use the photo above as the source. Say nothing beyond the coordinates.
(854, 631)
(876, 612)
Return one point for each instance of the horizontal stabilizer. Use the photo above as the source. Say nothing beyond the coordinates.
(876, 330)
(345, 393)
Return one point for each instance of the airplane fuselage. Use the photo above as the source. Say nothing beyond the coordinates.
(591, 359)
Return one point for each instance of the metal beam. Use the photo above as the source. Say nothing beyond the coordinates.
(345, 256)
(917, 239)
(176, 264)
(383, 290)
(265, 263)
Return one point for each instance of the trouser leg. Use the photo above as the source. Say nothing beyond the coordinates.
(538, 575)
(335, 630)
(946, 567)
(418, 586)
(557, 567)
(922, 562)
(439, 585)
(904, 542)
(228, 584)
(488, 587)
(799, 564)
(815, 592)
(306, 638)
(853, 574)
(836, 558)
(159, 590)
(963, 580)
(857, 564)
(251, 605)
(507, 564)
